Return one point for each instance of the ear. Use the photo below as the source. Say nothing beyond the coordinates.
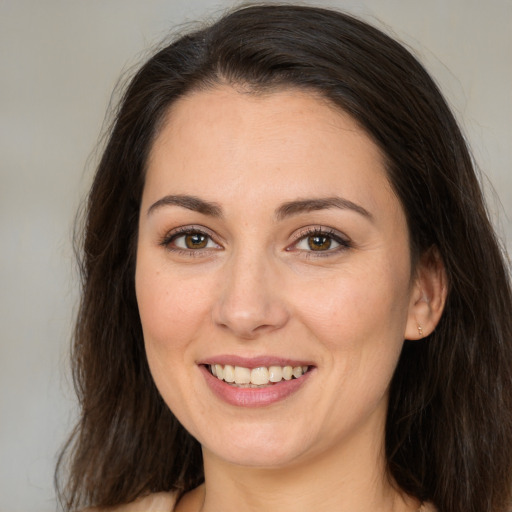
(428, 296)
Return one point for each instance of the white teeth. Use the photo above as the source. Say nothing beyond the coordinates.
(261, 376)
(275, 373)
(242, 375)
(297, 371)
(219, 372)
(229, 373)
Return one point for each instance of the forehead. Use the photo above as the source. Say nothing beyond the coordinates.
(289, 142)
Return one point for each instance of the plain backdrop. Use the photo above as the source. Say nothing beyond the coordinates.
(59, 61)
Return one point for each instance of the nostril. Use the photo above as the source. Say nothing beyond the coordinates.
(250, 323)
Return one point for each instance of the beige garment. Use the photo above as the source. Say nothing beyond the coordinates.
(158, 502)
(165, 502)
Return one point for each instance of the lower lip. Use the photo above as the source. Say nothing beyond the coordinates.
(253, 397)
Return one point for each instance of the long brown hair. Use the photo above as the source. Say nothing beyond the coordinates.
(449, 426)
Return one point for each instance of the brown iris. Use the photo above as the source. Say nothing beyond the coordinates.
(196, 241)
(319, 242)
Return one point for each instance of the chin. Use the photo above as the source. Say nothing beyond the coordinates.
(258, 458)
(263, 448)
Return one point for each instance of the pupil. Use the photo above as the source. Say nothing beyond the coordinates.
(195, 241)
(318, 242)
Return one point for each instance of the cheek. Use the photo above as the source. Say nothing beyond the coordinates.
(354, 305)
(359, 316)
(172, 312)
(171, 307)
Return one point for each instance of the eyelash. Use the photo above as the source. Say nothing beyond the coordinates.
(317, 231)
(174, 235)
(328, 233)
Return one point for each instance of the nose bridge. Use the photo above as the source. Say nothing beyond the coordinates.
(249, 301)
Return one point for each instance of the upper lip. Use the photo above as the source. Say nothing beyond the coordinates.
(253, 362)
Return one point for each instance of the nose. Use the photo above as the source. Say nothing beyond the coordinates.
(250, 301)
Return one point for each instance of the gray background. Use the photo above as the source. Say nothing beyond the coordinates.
(59, 61)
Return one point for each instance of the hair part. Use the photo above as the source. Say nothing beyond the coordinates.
(449, 425)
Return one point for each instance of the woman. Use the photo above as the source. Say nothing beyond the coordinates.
(292, 294)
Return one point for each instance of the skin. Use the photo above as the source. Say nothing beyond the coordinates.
(258, 289)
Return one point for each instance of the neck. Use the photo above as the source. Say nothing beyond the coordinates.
(351, 478)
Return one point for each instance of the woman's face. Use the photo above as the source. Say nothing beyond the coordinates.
(271, 244)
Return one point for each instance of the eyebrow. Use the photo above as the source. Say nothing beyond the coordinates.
(190, 203)
(287, 209)
(308, 205)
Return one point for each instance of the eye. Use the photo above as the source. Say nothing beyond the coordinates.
(321, 241)
(317, 243)
(192, 241)
(189, 240)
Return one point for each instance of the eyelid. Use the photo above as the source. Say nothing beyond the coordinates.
(171, 235)
(339, 237)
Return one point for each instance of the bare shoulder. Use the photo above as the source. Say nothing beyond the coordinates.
(157, 502)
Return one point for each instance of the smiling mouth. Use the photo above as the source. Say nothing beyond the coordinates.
(262, 376)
